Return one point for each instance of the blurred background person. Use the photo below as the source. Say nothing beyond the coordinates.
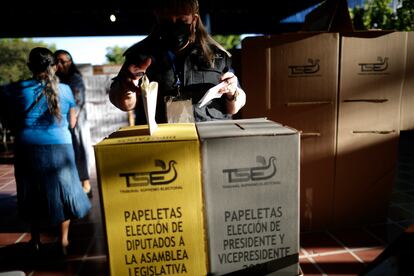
(69, 74)
(48, 188)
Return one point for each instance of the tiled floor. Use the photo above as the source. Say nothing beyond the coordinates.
(345, 252)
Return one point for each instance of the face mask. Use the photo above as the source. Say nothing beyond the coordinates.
(175, 35)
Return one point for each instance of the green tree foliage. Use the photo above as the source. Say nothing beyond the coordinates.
(378, 14)
(405, 16)
(14, 53)
(228, 41)
(114, 55)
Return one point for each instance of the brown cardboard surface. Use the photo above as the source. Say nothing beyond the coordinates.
(363, 184)
(308, 90)
(297, 87)
(407, 99)
(259, 70)
(349, 114)
(255, 68)
(372, 72)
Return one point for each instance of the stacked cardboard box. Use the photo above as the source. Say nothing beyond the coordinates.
(295, 83)
(371, 77)
(343, 93)
(152, 191)
(407, 99)
(250, 180)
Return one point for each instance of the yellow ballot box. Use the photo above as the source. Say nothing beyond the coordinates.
(151, 196)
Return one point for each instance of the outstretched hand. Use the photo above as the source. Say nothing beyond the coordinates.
(125, 87)
(138, 70)
(133, 73)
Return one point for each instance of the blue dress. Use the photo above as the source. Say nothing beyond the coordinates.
(48, 186)
(80, 133)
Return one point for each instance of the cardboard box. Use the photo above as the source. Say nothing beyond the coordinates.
(407, 99)
(342, 91)
(151, 193)
(251, 192)
(371, 78)
(295, 82)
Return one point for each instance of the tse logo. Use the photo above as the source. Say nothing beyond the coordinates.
(164, 176)
(266, 171)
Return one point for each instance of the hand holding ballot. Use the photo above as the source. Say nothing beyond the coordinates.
(227, 86)
(125, 86)
(212, 93)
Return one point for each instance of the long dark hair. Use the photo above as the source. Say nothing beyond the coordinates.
(41, 63)
(199, 35)
(73, 69)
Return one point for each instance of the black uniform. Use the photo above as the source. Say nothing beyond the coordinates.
(187, 74)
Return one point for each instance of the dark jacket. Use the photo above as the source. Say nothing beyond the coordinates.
(195, 76)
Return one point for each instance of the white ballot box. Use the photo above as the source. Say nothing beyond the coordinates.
(251, 196)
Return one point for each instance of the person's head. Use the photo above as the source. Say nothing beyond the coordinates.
(41, 62)
(65, 64)
(179, 25)
(43, 66)
(177, 22)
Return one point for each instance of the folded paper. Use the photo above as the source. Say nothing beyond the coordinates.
(211, 94)
(149, 91)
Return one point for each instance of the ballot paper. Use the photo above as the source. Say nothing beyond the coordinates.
(212, 93)
(149, 91)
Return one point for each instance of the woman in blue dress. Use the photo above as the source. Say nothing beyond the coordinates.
(68, 73)
(48, 188)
